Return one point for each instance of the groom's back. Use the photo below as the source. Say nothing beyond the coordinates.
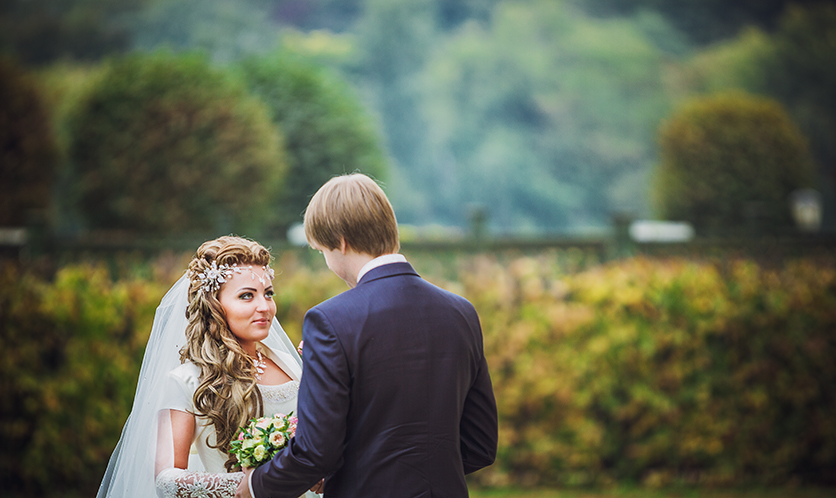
(413, 352)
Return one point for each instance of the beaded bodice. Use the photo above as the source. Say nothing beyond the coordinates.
(280, 393)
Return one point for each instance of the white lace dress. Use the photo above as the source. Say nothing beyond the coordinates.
(206, 476)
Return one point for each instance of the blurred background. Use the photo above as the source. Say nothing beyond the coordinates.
(638, 196)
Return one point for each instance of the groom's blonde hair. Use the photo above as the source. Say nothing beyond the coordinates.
(352, 207)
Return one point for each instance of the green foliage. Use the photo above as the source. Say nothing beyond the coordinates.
(659, 372)
(43, 31)
(544, 115)
(72, 348)
(543, 111)
(647, 371)
(394, 41)
(632, 491)
(71, 354)
(28, 151)
(336, 50)
(166, 144)
(793, 64)
(704, 21)
(326, 130)
(801, 72)
(730, 162)
(225, 30)
(732, 65)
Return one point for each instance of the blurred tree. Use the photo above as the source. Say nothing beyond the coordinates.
(225, 30)
(545, 116)
(165, 144)
(326, 130)
(394, 40)
(705, 21)
(321, 47)
(452, 13)
(62, 84)
(800, 71)
(28, 151)
(341, 15)
(735, 64)
(41, 31)
(334, 15)
(729, 162)
(795, 65)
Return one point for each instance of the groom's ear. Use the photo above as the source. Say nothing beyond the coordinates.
(343, 245)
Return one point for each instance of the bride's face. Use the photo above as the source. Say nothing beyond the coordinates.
(248, 305)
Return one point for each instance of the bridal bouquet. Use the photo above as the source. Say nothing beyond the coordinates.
(258, 441)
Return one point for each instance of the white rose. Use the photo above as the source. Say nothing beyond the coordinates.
(277, 439)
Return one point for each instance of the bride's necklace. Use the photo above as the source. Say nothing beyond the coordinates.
(259, 365)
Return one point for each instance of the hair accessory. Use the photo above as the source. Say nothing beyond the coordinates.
(211, 278)
(267, 273)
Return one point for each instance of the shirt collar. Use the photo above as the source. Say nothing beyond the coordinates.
(380, 261)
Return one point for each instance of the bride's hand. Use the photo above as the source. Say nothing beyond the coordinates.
(243, 490)
(317, 488)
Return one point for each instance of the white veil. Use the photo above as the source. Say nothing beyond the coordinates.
(130, 471)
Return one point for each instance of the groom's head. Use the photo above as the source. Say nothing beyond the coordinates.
(355, 209)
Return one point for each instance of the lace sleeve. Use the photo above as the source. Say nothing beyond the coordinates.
(179, 483)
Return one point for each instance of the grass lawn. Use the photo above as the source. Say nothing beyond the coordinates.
(653, 493)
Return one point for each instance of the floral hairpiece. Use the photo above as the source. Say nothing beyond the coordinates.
(211, 278)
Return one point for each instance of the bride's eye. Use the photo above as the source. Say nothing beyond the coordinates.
(270, 294)
(246, 296)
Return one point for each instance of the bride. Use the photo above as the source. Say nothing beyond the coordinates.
(215, 359)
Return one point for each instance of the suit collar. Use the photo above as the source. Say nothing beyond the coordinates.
(384, 259)
(388, 270)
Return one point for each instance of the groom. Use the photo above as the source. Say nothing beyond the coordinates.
(395, 398)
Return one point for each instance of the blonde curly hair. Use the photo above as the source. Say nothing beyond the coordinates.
(227, 394)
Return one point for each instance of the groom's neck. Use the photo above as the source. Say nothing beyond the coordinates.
(354, 262)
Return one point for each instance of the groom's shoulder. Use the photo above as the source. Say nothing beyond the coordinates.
(457, 301)
(426, 293)
(348, 300)
(337, 302)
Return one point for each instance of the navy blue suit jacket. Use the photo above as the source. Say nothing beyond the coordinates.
(395, 399)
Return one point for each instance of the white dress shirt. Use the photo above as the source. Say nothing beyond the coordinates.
(380, 261)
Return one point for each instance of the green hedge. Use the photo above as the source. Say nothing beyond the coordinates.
(731, 161)
(168, 144)
(660, 371)
(650, 371)
(28, 150)
(326, 130)
(71, 353)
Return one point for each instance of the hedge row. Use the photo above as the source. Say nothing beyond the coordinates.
(71, 350)
(652, 371)
(660, 372)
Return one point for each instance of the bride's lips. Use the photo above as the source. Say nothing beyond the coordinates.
(261, 321)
